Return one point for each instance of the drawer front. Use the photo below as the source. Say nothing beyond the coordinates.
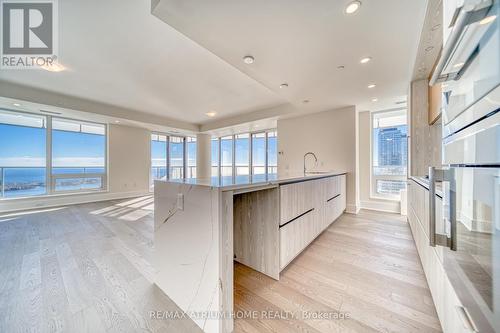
(333, 209)
(296, 199)
(295, 236)
(332, 187)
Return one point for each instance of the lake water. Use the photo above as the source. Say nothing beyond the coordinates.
(19, 182)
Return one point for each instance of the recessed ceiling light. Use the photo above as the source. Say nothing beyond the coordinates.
(352, 7)
(16, 104)
(305, 101)
(117, 121)
(487, 20)
(370, 86)
(211, 114)
(374, 99)
(341, 67)
(283, 85)
(460, 64)
(365, 60)
(248, 59)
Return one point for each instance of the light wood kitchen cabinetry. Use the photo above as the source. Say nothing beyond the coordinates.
(307, 209)
(295, 236)
(445, 298)
(295, 199)
(434, 103)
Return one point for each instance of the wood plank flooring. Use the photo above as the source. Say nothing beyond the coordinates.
(83, 268)
(87, 268)
(363, 266)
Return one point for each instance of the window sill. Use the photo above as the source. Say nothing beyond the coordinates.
(375, 197)
(55, 195)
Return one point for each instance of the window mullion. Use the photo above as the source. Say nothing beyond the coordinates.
(184, 158)
(168, 157)
(267, 156)
(49, 185)
(219, 154)
(250, 153)
(234, 157)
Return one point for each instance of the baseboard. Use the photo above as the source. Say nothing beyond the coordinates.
(386, 207)
(352, 209)
(476, 224)
(12, 205)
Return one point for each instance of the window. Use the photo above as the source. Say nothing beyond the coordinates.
(172, 157)
(176, 157)
(215, 158)
(71, 159)
(259, 154)
(158, 157)
(191, 157)
(272, 152)
(255, 155)
(389, 153)
(22, 154)
(242, 157)
(78, 155)
(226, 158)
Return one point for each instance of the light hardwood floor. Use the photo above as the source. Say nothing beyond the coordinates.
(87, 268)
(84, 268)
(364, 266)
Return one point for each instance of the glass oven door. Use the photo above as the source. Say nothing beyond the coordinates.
(474, 266)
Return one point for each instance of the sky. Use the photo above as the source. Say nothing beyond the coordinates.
(242, 152)
(22, 146)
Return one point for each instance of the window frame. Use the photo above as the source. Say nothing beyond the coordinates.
(250, 148)
(373, 178)
(185, 157)
(50, 178)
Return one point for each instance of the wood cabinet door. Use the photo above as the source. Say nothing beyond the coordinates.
(295, 236)
(434, 103)
(296, 199)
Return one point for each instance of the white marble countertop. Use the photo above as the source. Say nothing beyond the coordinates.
(243, 182)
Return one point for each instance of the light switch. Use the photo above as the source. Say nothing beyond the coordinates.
(180, 201)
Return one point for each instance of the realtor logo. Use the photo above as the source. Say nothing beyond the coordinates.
(28, 34)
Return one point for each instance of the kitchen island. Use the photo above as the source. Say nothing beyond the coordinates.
(202, 225)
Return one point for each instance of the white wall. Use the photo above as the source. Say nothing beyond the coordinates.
(364, 159)
(129, 159)
(128, 165)
(331, 135)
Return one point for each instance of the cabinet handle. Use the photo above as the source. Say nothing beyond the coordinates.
(466, 319)
(432, 206)
(464, 16)
(296, 218)
(447, 175)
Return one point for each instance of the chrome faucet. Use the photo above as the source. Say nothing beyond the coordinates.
(315, 159)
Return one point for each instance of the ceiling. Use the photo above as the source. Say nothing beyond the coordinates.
(302, 43)
(189, 61)
(117, 53)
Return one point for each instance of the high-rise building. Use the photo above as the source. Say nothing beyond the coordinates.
(392, 149)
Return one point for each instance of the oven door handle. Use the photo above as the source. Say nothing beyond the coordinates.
(467, 14)
(447, 175)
